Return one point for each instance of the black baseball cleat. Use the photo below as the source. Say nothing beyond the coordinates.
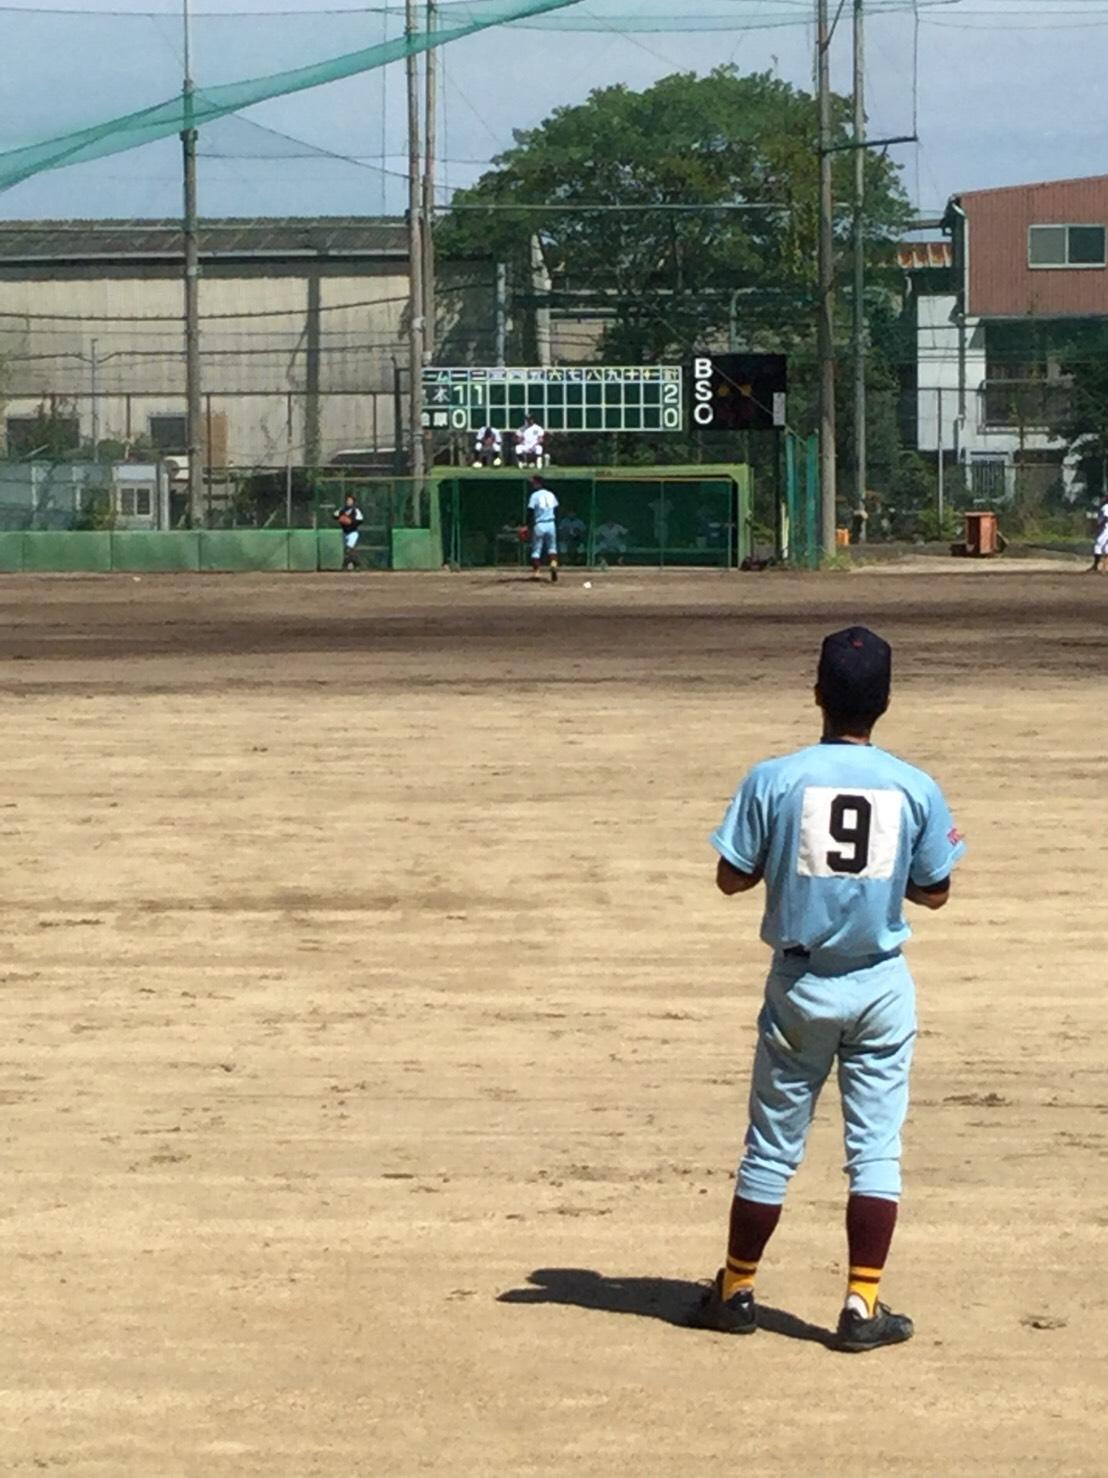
(554, 574)
(736, 1315)
(857, 1334)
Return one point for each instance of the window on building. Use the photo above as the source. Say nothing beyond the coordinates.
(169, 434)
(1066, 246)
(45, 434)
(135, 502)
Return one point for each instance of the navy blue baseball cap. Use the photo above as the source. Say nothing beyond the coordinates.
(855, 671)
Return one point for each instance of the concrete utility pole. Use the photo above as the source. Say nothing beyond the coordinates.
(427, 226)
(861, 447)
(94, 365)
(416, 327)
(193, 407)
(826, 286)
(540, 287)
(501, 354)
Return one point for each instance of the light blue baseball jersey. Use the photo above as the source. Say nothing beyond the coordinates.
(544, 505)
(839, 829)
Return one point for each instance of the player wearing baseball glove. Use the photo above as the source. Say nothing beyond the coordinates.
(349, 519)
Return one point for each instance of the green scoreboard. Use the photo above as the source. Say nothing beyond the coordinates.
(641, 397)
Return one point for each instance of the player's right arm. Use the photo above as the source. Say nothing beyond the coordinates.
(742, 837)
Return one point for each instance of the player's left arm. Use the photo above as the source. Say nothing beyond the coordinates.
(938, 849)
(935, 897)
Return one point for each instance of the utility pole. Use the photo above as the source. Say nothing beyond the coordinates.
(427, 225)
(826, 286)
(540, 287)
(193, 410)
(860, 428)
(94, 365)
(415, 260)
(941, 485)
(501, 314)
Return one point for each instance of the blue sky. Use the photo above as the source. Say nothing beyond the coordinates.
(1008, 91)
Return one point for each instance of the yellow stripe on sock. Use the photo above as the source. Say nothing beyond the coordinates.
(738, 1277)
(865, 1283)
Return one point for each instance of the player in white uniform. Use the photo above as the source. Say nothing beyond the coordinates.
(542, 508)
(1100, 544)
(487, 448)
(530, 443)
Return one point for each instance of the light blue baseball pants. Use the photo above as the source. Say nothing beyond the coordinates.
(864, 1020)
(545, 541)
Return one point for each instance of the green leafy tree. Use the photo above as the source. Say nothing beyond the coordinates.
(672, 280)
(1080, 414)
(668, 282)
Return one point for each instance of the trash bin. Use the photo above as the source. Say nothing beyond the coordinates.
(982, 535)
(842, 538)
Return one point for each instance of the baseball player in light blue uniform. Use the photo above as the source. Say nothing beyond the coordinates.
(542, 507)
(842, 833)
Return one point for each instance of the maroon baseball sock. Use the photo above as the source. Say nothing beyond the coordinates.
(752, 1225)
(870, 1223)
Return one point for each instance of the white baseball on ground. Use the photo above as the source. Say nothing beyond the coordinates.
(588, 584)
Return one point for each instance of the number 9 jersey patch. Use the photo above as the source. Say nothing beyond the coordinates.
(849, 833)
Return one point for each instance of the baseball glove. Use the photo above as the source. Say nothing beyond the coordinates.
(524, 533)
(345, 521)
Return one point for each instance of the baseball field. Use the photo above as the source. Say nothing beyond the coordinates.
(375, 1045)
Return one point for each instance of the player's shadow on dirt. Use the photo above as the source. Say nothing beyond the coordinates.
(668, 1299)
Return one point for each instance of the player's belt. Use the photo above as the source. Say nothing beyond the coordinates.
(798, 952)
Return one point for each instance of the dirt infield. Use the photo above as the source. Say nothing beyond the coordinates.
(375, 1045)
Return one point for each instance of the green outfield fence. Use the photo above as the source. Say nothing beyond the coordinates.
(676, 516)
(81, 551)
(654, 517)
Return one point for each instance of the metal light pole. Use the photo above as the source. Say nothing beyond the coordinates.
(861, 448)
(193, 410)
(415, 258)
(826, 286)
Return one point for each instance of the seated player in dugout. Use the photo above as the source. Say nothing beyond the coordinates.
(488, 447)
(530, 445)
(842, 833)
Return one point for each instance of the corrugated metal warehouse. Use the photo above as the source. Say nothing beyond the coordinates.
(303, 334)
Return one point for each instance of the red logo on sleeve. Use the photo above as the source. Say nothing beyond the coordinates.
(954, 836)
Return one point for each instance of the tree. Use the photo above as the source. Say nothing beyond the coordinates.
(1080, 411)
(672, 281)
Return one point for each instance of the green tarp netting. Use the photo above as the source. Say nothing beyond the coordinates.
(54, 62)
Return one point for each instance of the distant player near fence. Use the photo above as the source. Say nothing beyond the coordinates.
(1100, 541)
(349, 519)
(842, 833)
